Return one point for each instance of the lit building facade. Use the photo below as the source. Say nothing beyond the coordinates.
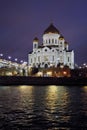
(53, 51)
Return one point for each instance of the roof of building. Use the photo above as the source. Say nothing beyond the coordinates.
(61, 37)
(36, 39)
(51, 29)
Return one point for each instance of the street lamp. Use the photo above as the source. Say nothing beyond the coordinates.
(16, 59)
(9, 57)
(21, 61)
(1, 55)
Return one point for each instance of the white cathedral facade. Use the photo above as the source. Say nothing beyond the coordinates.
(53, 51)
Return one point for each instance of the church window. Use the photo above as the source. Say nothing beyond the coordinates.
(34, 45)
(42, 63)
(52, 40)
(52, 50)
(46, 41)
(55, 40)
(53, 58)
(49, 40)
(45, 49)
(68, 59)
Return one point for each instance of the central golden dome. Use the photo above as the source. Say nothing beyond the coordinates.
(51, 29)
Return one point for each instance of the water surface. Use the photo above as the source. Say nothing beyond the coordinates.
(43, 108)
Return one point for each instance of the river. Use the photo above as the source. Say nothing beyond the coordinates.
(43, 107)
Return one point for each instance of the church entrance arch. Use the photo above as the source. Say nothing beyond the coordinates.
(46, 66)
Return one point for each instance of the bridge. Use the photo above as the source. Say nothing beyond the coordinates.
(8, 67)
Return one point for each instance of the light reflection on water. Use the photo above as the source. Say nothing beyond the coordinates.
(43, 107)
(57, 100)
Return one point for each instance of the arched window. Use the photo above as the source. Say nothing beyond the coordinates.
(68, 59)
(52, 40)
(55, 40)
(35, 45)
(46, 66)
(53, 58)
(49, 40)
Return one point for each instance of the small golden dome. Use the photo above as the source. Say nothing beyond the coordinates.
(61, 37)
(35, 39)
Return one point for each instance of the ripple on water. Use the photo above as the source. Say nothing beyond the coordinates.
(43, 108)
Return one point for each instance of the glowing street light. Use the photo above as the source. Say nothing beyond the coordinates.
(9, 57)
(84, 64)
(1, 55)
(21, 61)
(16, 59)
(25, 63)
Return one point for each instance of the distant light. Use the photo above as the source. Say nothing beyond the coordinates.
(9, 57)
(84, 64)
(16, 59)
(64, 72)
(49, 73)
(21, 61)
(39, 74)
(61, 66)
(25, 62)
(1, 54)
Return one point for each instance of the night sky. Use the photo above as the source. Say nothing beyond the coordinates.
(22, 20)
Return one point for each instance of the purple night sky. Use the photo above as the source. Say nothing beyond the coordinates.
(22, 20)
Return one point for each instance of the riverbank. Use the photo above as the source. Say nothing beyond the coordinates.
(23, 80)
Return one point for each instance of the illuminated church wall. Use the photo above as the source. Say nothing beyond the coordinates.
(54, 50)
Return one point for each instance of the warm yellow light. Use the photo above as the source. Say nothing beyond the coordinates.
(9, 73)
(64, 72)
(49, 73)
(85, 88)
(39, 74)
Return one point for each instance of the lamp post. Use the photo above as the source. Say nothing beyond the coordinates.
(16, 59)
(9, 57)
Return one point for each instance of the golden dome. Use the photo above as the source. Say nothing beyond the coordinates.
(51, 29)
(35, 39)
(61, 37)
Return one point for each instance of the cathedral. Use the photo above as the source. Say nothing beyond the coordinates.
(53, 50)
